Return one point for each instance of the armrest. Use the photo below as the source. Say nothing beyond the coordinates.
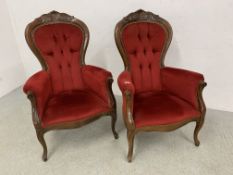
(125, 82)
(182, 83)
(99, 81)
(39, 86)
(127, 88)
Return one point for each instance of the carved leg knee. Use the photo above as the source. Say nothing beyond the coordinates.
(196, 131)
(114, 118)
(40, 137)
(130, 136)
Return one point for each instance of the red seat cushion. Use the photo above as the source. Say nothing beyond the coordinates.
(160, 108)
(73, 106)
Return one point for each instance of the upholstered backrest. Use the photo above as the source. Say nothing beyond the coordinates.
(142, 39)
(143, 43)
(59, 45)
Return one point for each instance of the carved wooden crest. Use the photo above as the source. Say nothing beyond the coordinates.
(52, 18)
(141, 15)
(55, 16)
(137, 17)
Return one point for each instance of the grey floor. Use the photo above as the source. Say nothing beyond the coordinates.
(92, 149)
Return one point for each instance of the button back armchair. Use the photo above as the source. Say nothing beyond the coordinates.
(66, 93)
(155, 97)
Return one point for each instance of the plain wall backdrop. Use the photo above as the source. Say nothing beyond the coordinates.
(202, 37)
(11, 68)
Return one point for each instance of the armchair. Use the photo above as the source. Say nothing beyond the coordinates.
(66, 93)
(155, 97)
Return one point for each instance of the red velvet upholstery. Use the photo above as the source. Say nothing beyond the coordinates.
(60, 46)
(73, 106)
(39, 84)
(160, 96)
(68, 90)
(161, 108)
(182, 83)
(95, 79)
(125, 82)
(143, 43)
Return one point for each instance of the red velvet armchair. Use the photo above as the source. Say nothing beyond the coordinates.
(66, 93)
(155, 97)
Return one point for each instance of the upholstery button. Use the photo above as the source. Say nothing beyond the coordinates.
(64, 37)
(144, 51)
(72, 50)
(134, 53)
(61, 51)
(54, 38)
(60, 66)
(154, 50)
(140, 66)
(148, 36)
(68, 65)
(139, 37)
(149, 66)
(50, 53)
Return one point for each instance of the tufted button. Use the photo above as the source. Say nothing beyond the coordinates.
(50, 53)
(64, 37)
(148, 36)
(60, 66)
(54, 38)
(69, 65)
(140, 66)
(134, 52)
(73, 50)
(62, 51)
(149, 66)
(144, 51)
(154, 50)
(139, 37)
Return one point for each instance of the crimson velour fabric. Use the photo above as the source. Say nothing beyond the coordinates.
(96, 80)
(143, 43)
(161, 108)
(73, 106)
(60, 46)
(160, 95)
(125, 82)
(182, 83)
(39, 84)
(68, 90)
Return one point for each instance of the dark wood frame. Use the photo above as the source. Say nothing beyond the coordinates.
(143, 16)
(52, 18)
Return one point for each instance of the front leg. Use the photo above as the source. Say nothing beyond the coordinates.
(113, 104)
(202, 108)
(130, 136)
(40, 136)
(114, 118)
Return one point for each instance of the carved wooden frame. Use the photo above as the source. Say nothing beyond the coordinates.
(144, 16)
(52, 18)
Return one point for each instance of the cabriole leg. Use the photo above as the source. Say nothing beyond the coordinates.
(130, 136)
(114, 118)
(196, 131)
(40, 136)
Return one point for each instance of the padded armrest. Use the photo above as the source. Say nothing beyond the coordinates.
(182, 83)
(96, 79)
(40, 86)
(125, 82)
(127, 88)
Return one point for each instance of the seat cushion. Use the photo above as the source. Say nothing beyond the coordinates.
(73, 106)
(161, 108)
